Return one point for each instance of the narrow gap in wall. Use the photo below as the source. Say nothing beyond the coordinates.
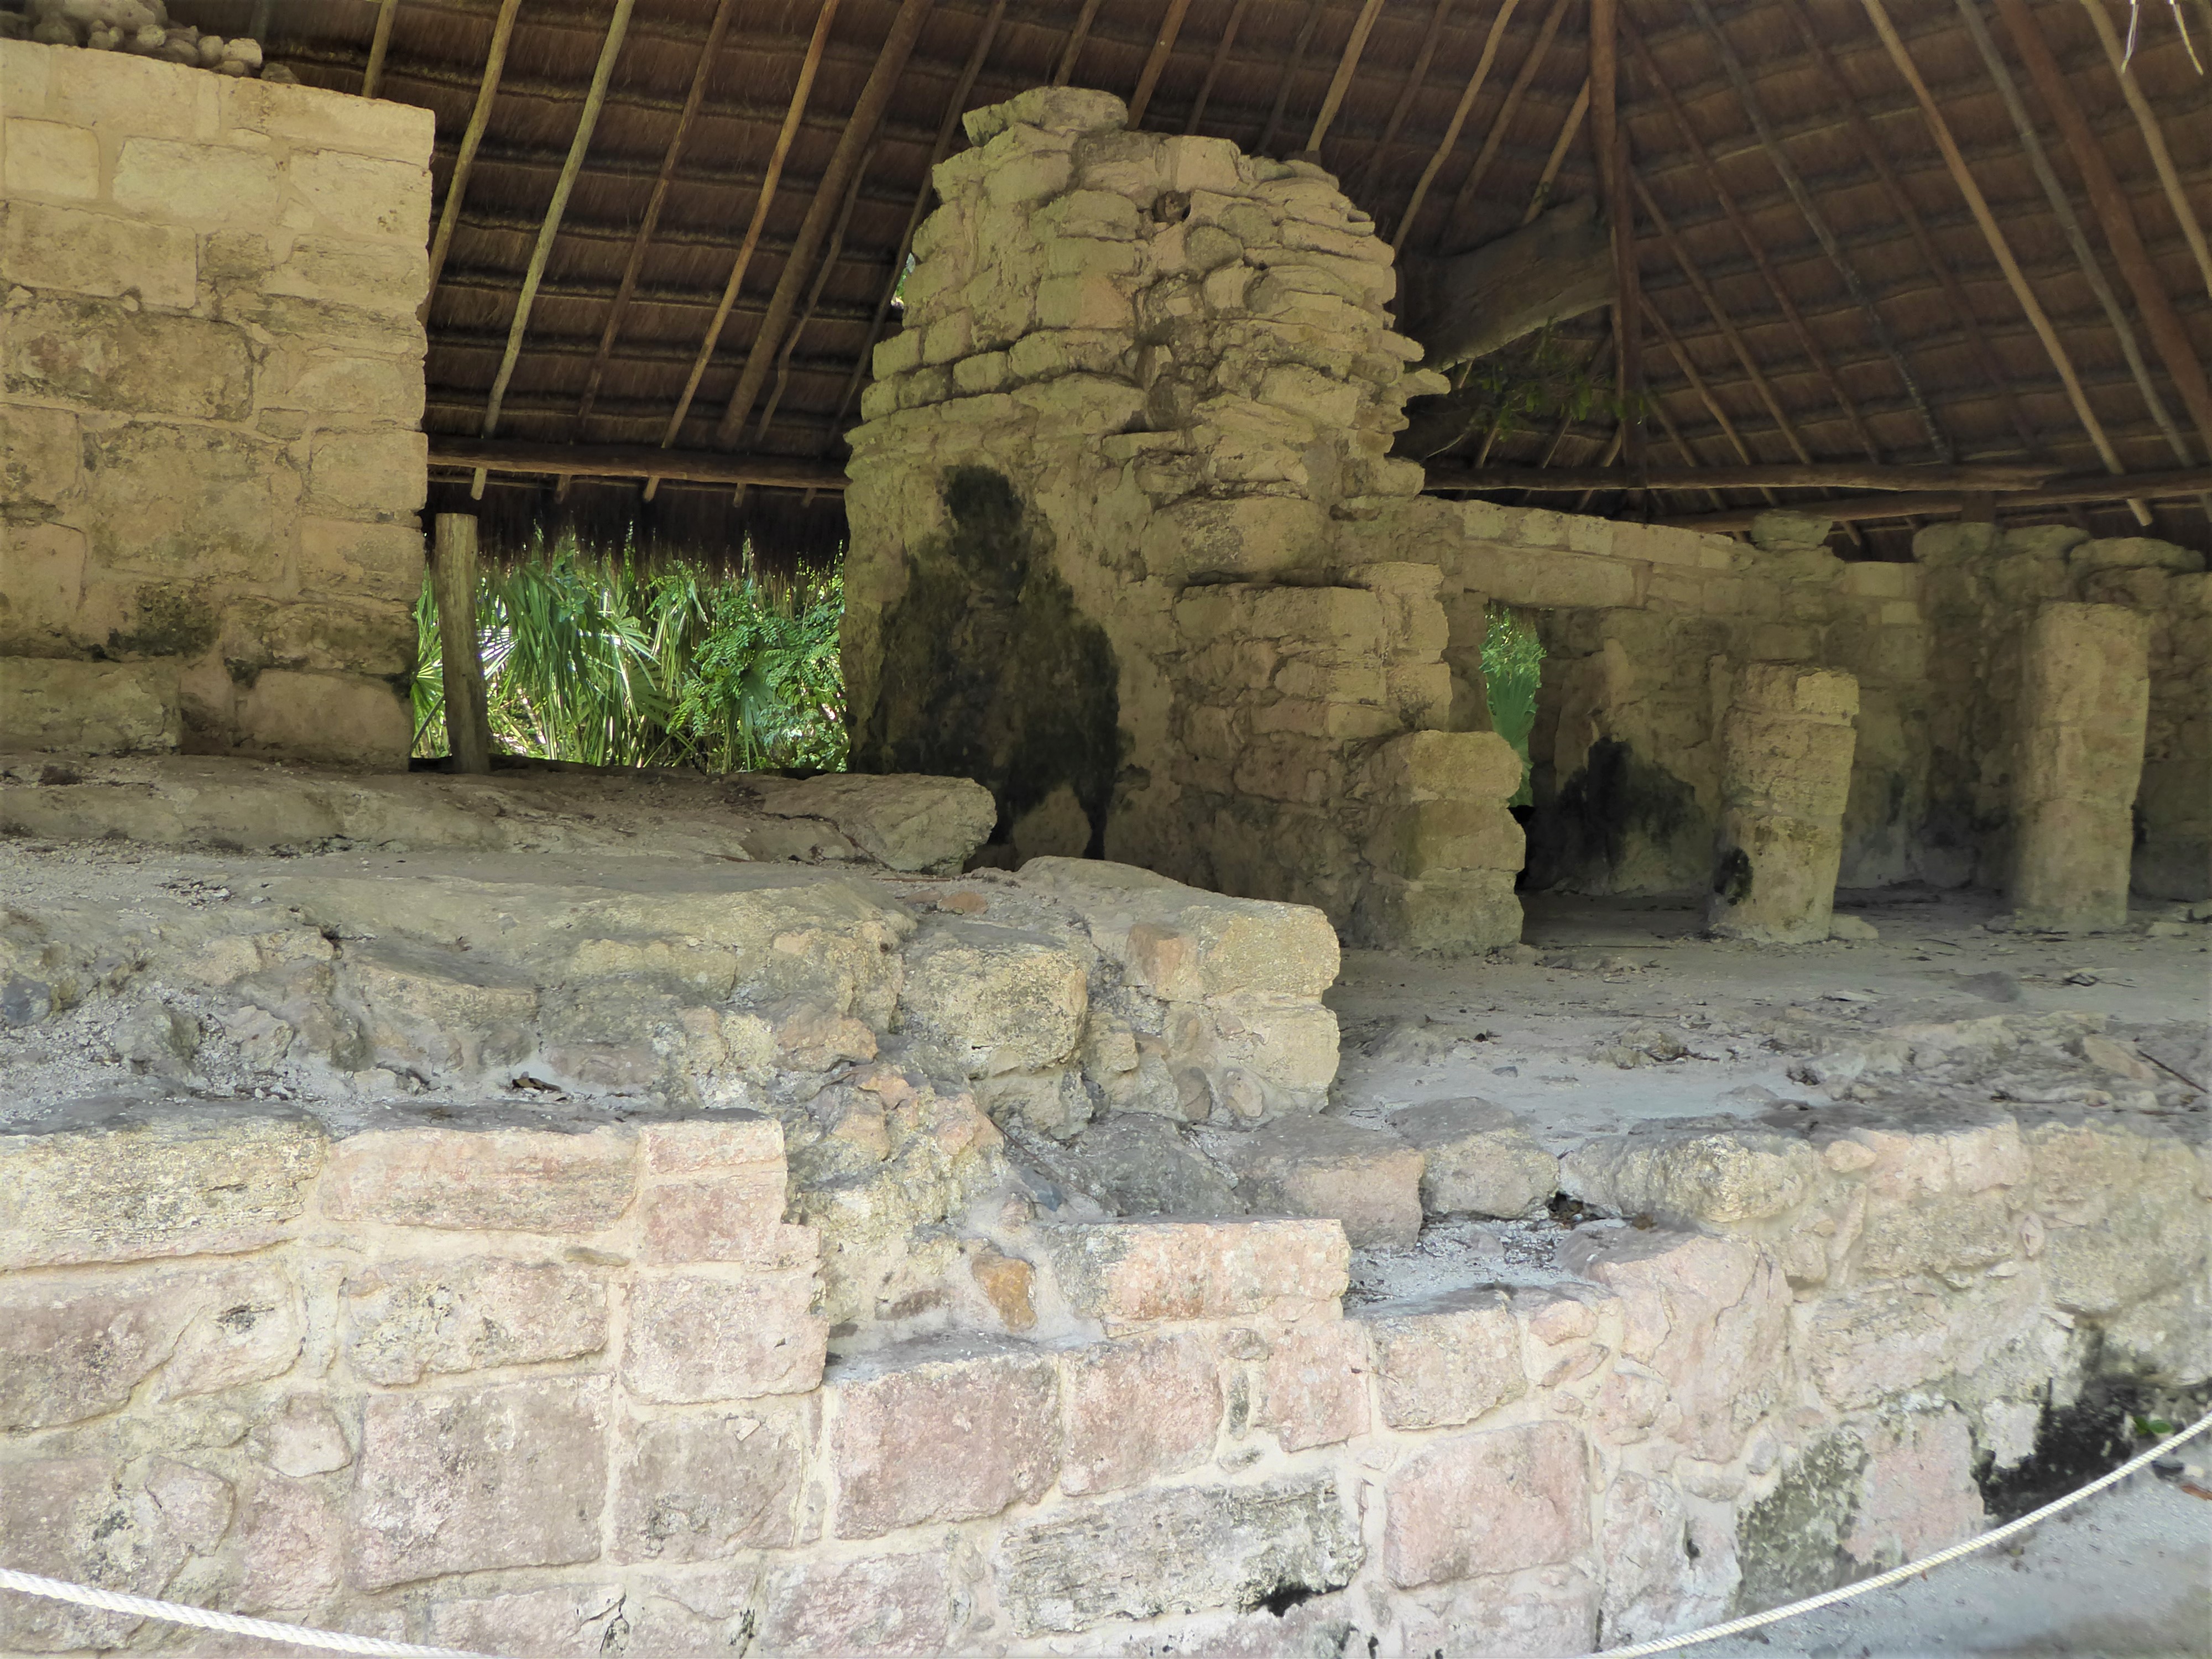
(1512, 674)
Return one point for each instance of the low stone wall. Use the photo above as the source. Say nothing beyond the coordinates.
(551, 1385)
(214, 384)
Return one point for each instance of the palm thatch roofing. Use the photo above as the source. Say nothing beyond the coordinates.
(1893, 233)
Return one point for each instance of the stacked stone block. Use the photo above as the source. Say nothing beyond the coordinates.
(550, 1386)
(213, 388)
(1177, 361)
(1786, 743)
(2085, 692)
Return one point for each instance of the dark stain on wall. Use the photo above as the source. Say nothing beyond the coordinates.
(989, 670)
(1616, 801)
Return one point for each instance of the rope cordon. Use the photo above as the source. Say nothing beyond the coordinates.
(1911, 1569)
(175, 1613)
(267, 1630)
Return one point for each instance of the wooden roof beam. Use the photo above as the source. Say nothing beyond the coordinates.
(2161, 158)
(1156, 61)
(1347, 65)
(586, 120)
(796, 107)
(380, 42)
(813, 298)
(844, 165)
(1416, 78)
(1288, 74)
(1999, 247)
(650, 222)
(633, 461)
(1445, 145)
(1817, 474)
(946, 130)
(456, 187)
(1540, 197)
(1495, 138)
(2094, 490)
(1221, 51)
(1076, 37)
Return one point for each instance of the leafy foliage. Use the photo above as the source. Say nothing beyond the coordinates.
(1535, 379)
(616, 665)
(1512, 669)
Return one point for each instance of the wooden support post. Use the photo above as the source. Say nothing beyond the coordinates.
(453, 583)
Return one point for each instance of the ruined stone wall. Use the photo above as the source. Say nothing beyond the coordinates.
(213, 384)
(1985, 589)
(1114, 506)
(529, 1385)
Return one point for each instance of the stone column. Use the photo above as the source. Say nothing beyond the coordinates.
(2084, 701)
(1786, 749)
(1444, 851)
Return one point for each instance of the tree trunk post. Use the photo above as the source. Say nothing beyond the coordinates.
(454, 580)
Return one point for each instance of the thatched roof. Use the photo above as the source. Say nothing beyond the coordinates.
(1837, 266)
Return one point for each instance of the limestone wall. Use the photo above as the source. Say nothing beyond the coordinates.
(1112, 506)
(213, 384)
(543, 1385)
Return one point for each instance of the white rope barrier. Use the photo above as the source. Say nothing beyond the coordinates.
(174, 1613)
(1913, 1569)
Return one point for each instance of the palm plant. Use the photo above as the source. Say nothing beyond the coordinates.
(1512, 670)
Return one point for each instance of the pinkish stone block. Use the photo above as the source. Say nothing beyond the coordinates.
(497, 1180)
(1138, 1409)
(720, 1142)
(699, 1488)
(407, 1320)
(1313, 1388)
(1917, 1494)
(942, 1432)
(735, 1216)
(1488, 1503)
(888, 1605)
(693, 1338)
(1134, 1272)
(1446, 1361)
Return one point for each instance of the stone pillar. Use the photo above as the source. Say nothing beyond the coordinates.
(1786, 749)
(1444, 851)
(2084, 701)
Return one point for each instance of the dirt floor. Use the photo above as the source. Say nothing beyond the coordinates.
(2128, 1572)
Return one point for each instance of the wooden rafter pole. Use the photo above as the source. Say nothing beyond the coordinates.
(379, 43)
(1450, 139)
(627, 288)
(1298, 50)
(829, 263)
(843, 172)
(1156, 61)
(2168, 334)
(1978, 204)
(1546, 33)
(1076, 37)
(1415, 78)
(1697, 382)
(1347, 65)
(1221, 50)
(1609, 142)
(1753, 243)
(769, 181)
(633, 461)
(946, 131)
(1794, 182)
(2080, 491)
(2161, 158)
(1540, 197)
(602, 73)
(1997, 478)
(457, 188)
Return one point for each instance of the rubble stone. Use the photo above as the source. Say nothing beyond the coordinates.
(1477, 1158)
(1369, 1179)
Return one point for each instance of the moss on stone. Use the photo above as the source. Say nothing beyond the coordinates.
(1790, 1543)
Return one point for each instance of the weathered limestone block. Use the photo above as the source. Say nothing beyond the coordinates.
(1694, 1175)
(1182, 1549)
(945, 1433)
(1477, 1158)
(1787, 744)
(2084, 699)
(404, 1320)
(1138, 1410)
(1130, 1273)
(996, 1000)
(700, 1487)
(523, 1180)
(1486, 1503)
(1312, 1387)
(82, 1520)
(894, 1605)
(88, 708)
(1447, 1360)
(1366, 1177)
(1543, 1610)
(1666, 1568)
(510, 1476)
(695, 1338)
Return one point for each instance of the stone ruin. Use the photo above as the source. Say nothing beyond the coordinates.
(553, 1214)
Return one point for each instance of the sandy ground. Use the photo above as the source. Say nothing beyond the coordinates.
(2126, 1572)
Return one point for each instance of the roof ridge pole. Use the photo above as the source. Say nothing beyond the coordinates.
(769, 181)
(1314, 9)
(1793, 182)
(2161, 158)
(844, 163)
(1221, 49)
(1340, 83)
(617, 26)
(651, 221)
(946, 128)
(2061, 208)
(1609, 143)
(1399, 111)
(1156, 61)
(1444, 145)
(1546, 33)
(2167, 333)
(380, 42)
(1720, 194)
(1076, 37)
(449, 214)
(1978, 205)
